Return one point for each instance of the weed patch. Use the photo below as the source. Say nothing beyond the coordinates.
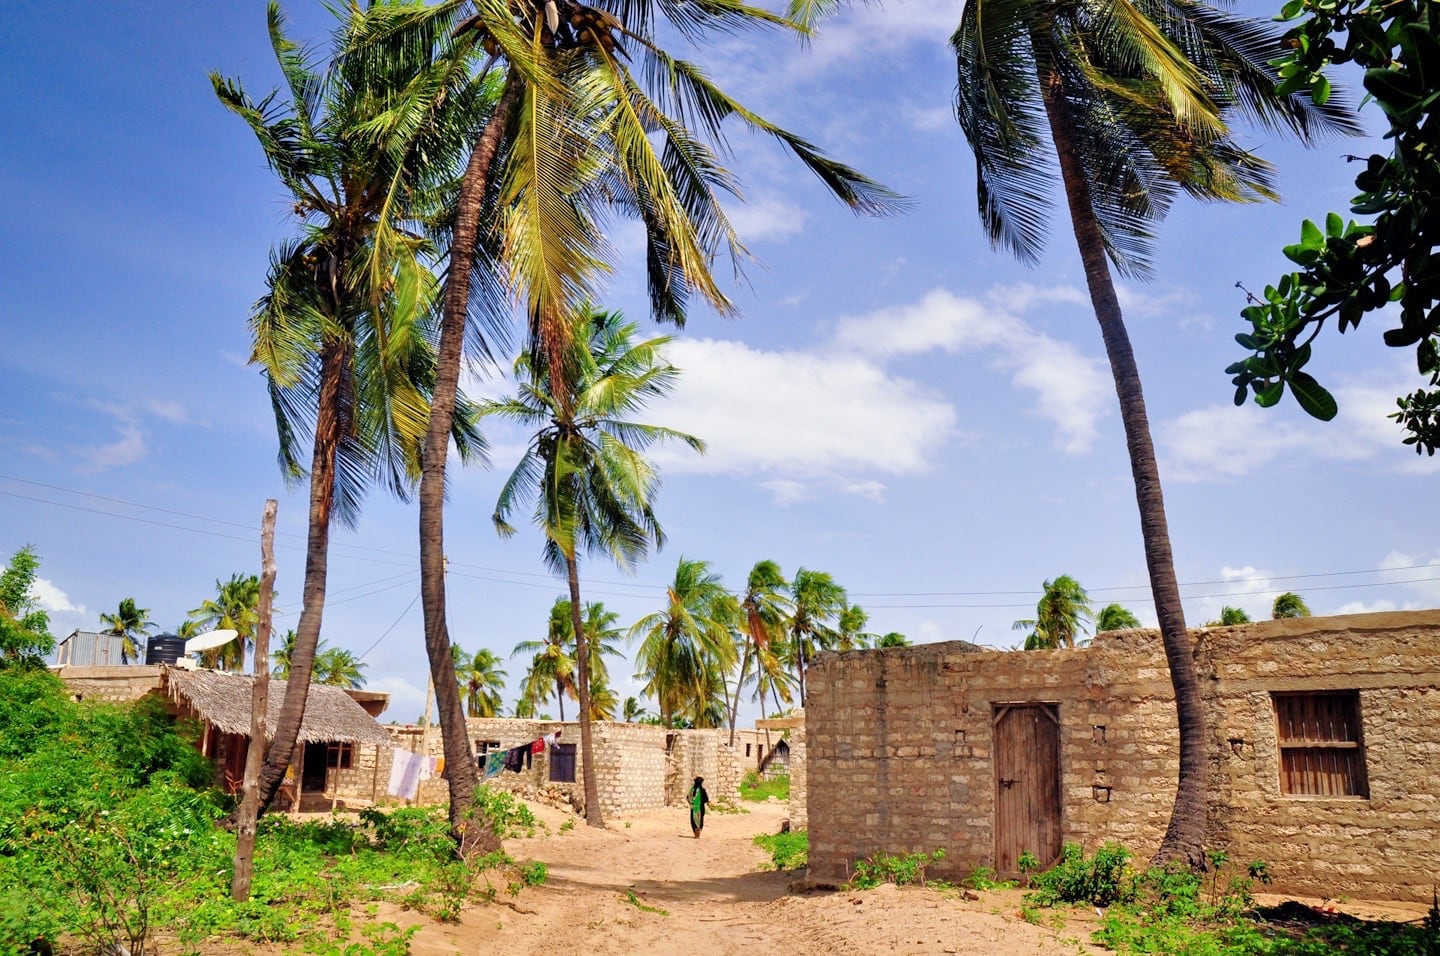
(905, 869)
(788, 851)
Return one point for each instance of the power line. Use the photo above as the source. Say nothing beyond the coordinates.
(390, 628)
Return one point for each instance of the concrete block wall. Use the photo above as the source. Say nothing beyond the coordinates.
(799, 777)
(899, 750)
(115, 683)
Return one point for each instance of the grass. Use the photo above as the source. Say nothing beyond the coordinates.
(634, 901)
(757, 788)
(788, 851)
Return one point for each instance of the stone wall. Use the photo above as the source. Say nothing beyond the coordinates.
(118, 683)
(900, 749)
(799, 777)
(637, 766)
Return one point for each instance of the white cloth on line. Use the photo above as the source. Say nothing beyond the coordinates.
(405, 770)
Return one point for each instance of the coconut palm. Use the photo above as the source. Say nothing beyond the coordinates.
(483, 681)
(893, 639)
(235, 607)
(1229, 616)
(1289, 604)
(850, 629)
(345, 334)
(633, 710)
(682, 644)
(127, 623)
(280, 658)
(1060, 615)
(576, 139)
(816, 603)
(338, 667)
(584, 469)
(1115, 617)
(603, 699)
(764, 606)
(552, 663)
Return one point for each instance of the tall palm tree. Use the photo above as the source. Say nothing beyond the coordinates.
(1289, 604)
(585, 471)
(575, 139)
(816, 603)
(1060, 615)
(345, 334)
(1115, 617)
(633, 710)
(127, 623)
(235, 607)
(1135, 100)
(1229, 616)
(764, 606)
(850, 629)
(483, 681)
(552, 663)
(682, 644)
(281, 656)
(338, 667)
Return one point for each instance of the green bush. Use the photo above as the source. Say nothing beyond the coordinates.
(507, 815)
(903, 870)
(788, 851)
(1102, 879)
(755, 787)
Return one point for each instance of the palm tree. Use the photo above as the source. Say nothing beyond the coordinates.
(483, 680)
(575, 139)
(682, 644)
(815, 601)
(584, 470)
(896, 639)
(633, 710)
(1060, 615)
(1229, 616)
(280, 657)
(603, 699)
(345, 333)
(338, 667)
(127, 623)
(551, 662)
(1289, 604)
(235, 607)
(850, 629)
(764, 605)
(1135, 102)
(1115, 617)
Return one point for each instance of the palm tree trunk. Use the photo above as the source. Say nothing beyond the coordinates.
(560, 697)
(459, 763)
(735, 704)
(317, 566)
(582, 686)
(1185, 836)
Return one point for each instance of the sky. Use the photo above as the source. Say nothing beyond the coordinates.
(899, 404)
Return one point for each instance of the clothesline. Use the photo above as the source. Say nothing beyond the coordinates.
(516, 759)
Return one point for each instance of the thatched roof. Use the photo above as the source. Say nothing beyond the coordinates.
(224, 700)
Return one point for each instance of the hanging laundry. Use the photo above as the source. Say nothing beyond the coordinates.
(494, 763)
(517, 757)
(405, 768)
(439, 766)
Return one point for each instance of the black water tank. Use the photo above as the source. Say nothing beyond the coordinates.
(164, 649)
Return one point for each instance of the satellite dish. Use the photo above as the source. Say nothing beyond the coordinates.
(210, 639)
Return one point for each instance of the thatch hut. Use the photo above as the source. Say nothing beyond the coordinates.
(332, 734)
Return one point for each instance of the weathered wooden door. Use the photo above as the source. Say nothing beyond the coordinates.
(1027, 784)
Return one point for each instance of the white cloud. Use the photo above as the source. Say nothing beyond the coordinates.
(1228, 441)
(1420, 573)
(874, 490)
(766, 218)
(1250, 589)
(798, 413)
(407, 702)
(786, 492)
(1072, 390)
(1374, 607)
(54, 600)
(126, 450)
(867, 30)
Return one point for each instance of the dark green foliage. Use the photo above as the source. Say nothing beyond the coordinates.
(1348, 269)
(755, 787)
(1102, 879)
(788, 851)
(24, 628)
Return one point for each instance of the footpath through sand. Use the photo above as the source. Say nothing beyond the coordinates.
(645, 886)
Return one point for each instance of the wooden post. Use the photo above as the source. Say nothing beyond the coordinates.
(259, 705)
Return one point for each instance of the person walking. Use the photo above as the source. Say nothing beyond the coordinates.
(698, 799)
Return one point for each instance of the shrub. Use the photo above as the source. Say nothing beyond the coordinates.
(902, 870)
(788, 851)
(755, 787)
(1103, 879)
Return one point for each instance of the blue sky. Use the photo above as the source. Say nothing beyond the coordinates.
(900, 405)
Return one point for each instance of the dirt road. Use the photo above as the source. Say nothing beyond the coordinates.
(644, 886)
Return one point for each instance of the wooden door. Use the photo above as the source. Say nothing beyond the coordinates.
(1027, 784)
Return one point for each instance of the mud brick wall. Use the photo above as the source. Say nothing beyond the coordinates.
(899, 749)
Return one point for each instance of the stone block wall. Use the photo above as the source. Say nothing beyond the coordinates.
(115, 683)
(799, 777)
(899, 750)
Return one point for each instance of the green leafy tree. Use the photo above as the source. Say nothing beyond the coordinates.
(634, 710)
(24, 626)
(584, 470)
(280, 657)
(1229, 616)
(850, 629)
(894, 639)
(552, 662)
(483, 680)
(816, 603)
(235, 607)
(128, 623)
(1060, 616)
(1289, 605)
(577, 139)
(683, 644)
(764, 606)
(1115, 617)
(345, 333)
(1348, 269)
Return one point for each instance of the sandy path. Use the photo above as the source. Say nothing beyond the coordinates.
(709, 897)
